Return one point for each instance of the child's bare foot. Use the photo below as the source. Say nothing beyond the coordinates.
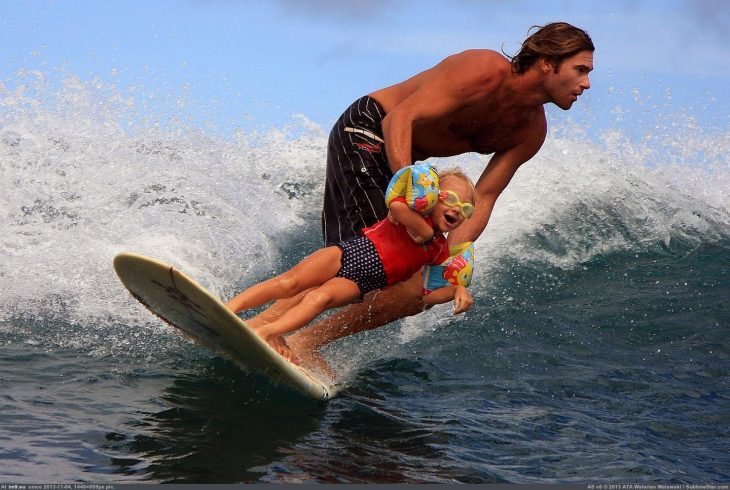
(277, 343)
(311, 358)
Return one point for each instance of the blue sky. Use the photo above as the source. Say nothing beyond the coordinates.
(228, 64)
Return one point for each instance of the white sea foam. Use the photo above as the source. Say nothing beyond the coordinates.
(576, 200)
(80, 187)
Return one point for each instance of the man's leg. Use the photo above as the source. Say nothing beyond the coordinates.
(377, 309)
(356, 178)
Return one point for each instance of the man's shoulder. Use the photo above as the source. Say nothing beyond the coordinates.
(486, 60)
(484, 69)
(489, 54)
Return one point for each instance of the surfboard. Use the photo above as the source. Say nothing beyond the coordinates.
(186, 305)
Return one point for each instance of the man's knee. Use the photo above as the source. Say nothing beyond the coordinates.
(401, 300)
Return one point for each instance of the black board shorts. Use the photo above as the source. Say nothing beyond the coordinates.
(357, 173)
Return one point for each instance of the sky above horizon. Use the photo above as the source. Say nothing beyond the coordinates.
(224, 64)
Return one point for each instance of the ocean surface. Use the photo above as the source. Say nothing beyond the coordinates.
(597, 349)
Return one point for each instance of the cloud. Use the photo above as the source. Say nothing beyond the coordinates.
(713, 16)
(344, 9)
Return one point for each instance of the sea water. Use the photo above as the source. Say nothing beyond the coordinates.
(596, 350)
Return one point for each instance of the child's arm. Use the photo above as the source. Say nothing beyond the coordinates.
(461, 296)
(418, 228)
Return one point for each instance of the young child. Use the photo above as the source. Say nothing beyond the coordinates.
(390, 251)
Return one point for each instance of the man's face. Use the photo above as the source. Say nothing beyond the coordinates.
(566, 82)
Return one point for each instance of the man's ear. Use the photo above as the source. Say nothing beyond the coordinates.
(547, 65)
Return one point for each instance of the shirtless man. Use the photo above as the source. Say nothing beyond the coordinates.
(474, 101)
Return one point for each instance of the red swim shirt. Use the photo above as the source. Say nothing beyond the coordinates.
(400, 255)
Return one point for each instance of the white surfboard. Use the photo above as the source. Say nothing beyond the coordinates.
(188, 306)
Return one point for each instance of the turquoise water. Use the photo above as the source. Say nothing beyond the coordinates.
(596, 352)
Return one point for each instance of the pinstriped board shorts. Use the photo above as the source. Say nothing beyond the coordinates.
(357, 173)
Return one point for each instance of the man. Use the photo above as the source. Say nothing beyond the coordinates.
(474, 101)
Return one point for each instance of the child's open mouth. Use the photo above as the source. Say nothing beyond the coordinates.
(450, 219)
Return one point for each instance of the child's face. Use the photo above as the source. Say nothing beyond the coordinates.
(446, 218)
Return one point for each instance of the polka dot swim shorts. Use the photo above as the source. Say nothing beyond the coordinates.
(361, 265)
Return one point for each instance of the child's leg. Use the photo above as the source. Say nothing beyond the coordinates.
(275, 311)
(314, 270)
(333, 293)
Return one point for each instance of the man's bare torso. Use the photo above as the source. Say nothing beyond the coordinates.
(492, 123)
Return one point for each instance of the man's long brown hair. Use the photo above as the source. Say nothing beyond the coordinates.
(555, 42)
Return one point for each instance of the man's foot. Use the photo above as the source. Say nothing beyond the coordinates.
(313, 360)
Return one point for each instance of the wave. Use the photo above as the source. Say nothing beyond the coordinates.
(87, 176)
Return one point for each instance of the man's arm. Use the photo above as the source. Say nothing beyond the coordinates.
(499, 172)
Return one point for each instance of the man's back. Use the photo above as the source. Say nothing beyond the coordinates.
(464, 104)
